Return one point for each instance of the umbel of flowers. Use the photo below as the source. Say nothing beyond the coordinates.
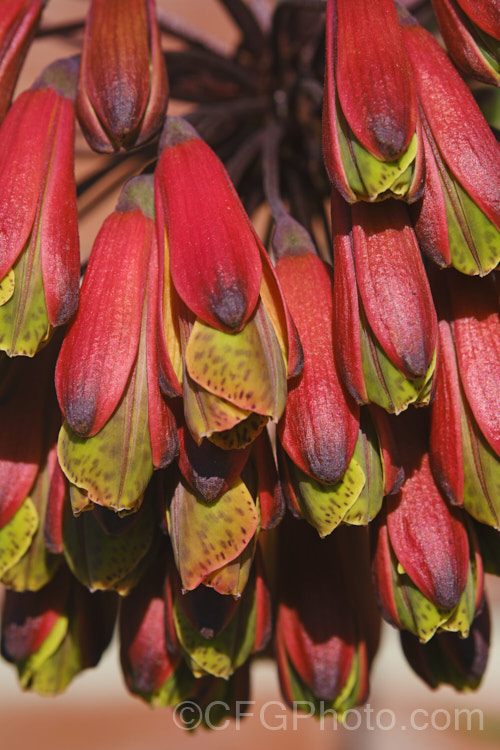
(214, 438)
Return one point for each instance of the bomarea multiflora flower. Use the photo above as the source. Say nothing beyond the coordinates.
(332, 464)
(457, 221)
(118, 426)
(384, 316)
(372, 143)
(39, 248)
(123, 86)
(227, 343)
(465, 414)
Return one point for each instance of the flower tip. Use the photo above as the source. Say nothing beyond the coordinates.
(176, 130)
(391, 141)
(138, 193)
(229, 307)
(62, 76)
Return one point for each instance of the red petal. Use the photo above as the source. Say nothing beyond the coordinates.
(145, 660)
(320, 425)
(476, 332)
(331, 145)
(484, 13)
(382, 567)
(271, 499)
(393, 285)
(460, 42)
(23, 169)
(393, 471)
(101, 346)
(446, 429)
(162, 425)
(428, 537)
(318, 632)
(374, 78)
(21, 436)
(263, 605)
(429, 214)
(462, 134)
(18, 24)
(214, 256)
(59, 222)
(346, 325)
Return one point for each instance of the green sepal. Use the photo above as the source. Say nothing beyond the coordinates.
(16, 536)
(29, 668)
(481, 474)
(384, 383)
(325, 506)
(421, 617)
(369, 178)
(474, 240)
(24, 321)
(103, 561)
(367, 456)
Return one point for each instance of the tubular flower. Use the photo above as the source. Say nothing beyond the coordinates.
(371, 133)
(217, 634)
(228, 341)
(324, 645)
(357, 497)
(123, 87)
(426, 562)
(471, 31)
(31, 484)
(215, 542)
(18, 24)
(155, 670)
(118, 426)
(39, 253)
(457, 222)
(331, 467)
(53, 634)
(465, 417)
(384, 318)
(448, 659)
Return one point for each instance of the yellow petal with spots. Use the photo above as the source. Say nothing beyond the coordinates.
(17, 534)
(105, 561)
(7, 287)
(206, 536)
(206, 413)
(325, 506)
(245, 368)
(241, 434)
(232, 578)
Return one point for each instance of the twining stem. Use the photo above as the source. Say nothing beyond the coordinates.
(270, 168)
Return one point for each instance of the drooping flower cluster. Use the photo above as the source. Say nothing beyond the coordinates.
(204, 386)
